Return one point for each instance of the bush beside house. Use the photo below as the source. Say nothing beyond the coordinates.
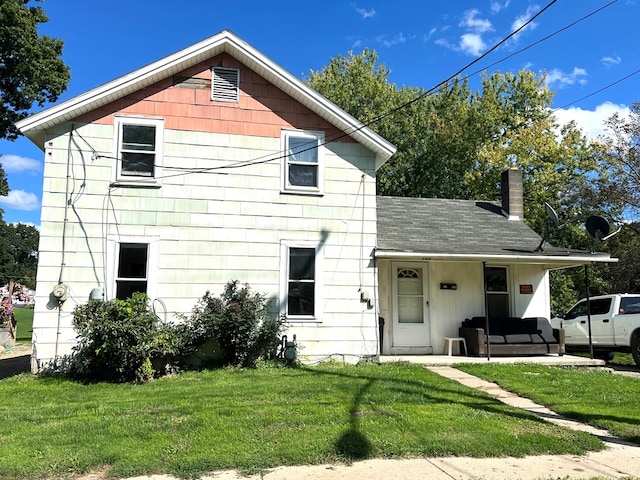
(124, 340)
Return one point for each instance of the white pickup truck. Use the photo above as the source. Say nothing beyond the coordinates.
(615, 326)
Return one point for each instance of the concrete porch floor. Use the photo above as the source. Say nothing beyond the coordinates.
(557, 360)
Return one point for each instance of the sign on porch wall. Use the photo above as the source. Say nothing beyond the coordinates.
(526, 289)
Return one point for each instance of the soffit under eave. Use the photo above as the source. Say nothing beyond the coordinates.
(549, 262)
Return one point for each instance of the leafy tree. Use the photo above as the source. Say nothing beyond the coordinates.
(455, 143)
(31, 70)
(624, 276)
(619, 155)
(18, 253)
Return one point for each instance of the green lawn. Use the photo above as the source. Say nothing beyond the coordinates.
(599, 398)
(256, 419)
(24, 319)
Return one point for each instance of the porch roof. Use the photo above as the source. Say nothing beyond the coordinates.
(465, 230)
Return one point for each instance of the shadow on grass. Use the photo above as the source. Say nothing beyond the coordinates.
(353, 444)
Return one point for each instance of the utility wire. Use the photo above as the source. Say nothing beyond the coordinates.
(313, 144)
(620, 80)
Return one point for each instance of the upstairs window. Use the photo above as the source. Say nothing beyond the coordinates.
(302, 162)
(139, 148)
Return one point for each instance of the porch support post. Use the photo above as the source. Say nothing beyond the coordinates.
(586, 284)
(486, 309)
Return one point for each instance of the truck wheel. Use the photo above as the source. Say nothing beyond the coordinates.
(635, 348)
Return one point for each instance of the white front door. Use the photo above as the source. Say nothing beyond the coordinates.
(410, 310)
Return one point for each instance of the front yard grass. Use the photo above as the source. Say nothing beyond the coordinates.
(24, 324)
(593, 396)
(251, 420)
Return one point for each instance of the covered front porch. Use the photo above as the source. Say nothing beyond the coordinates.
(442, 261)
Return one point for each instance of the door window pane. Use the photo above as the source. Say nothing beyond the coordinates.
(410, 297)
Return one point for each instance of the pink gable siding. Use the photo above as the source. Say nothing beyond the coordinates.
(263, 110)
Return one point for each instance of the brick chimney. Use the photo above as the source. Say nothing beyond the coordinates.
(512, 196)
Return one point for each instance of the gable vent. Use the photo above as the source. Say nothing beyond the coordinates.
(225, 84)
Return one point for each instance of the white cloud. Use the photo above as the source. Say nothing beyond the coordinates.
(471, 22)
(591, 122)
(391, 40)
(611, 60)
(16, 163)
(497, 6)
(364, 13)
(524, 18)
(20, 200)
(472, 44)
(559, 79)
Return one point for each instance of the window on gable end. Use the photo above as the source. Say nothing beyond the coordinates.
(303, 162)
(225, 84)
(138, 149)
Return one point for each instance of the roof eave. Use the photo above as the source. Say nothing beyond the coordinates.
(561, 261)
(33, 127)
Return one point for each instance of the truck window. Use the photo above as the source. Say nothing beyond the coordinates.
(600, 306)
(629, 305)
(578, 310)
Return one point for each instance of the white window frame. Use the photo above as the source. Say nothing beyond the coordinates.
(118, 124)
(113, 259)
(310, 137)
(285, 247)
(508, 292)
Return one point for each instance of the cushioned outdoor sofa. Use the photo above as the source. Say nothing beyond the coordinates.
(512, 336)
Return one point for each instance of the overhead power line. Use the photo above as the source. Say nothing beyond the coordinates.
(274, 157)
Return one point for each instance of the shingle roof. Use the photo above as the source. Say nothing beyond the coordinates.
(457, 227)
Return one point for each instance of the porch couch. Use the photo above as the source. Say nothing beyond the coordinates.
(512, 336)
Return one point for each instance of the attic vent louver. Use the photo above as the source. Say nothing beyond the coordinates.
(225, 84)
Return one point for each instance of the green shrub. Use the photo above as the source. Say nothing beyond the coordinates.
(120, 340)
(238, 325)
(123, 340)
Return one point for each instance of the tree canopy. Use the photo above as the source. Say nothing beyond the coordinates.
(455, 142)
(31, 70)
(18, 253)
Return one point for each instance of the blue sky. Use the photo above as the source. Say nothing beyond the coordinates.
(421, 42)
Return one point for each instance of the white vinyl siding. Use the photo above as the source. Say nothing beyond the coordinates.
(207, 228)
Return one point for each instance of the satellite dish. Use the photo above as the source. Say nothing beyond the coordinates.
(553, 216)
(597, 227)
(551, 221)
